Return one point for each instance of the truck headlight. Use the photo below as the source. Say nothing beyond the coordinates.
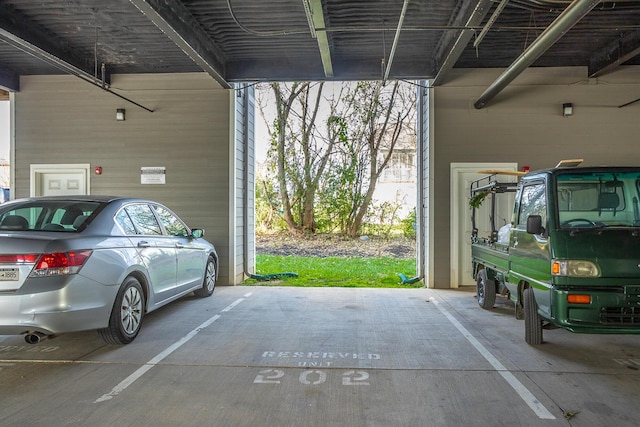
(574, 268)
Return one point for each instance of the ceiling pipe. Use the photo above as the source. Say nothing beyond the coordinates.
(563, 23)
(395, 42)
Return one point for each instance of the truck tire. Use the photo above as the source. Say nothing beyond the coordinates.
(485, 290)
(532, 321)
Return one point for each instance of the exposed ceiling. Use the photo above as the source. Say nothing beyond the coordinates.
(286, 40)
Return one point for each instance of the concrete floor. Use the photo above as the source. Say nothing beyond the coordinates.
(269, 356)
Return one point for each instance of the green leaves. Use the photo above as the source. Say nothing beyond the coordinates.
(476, 201)
(328, 149)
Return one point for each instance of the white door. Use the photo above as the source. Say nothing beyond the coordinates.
(61, 184)
(462, 174)
(59, 180)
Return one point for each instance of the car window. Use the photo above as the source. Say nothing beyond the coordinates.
(47, 215)
(143, 219)
(533, 202)
(171, 223)
(125, 222)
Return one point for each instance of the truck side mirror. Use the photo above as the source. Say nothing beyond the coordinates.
(534, 224)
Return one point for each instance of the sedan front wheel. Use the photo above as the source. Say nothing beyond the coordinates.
(209, 282)
(126, 316)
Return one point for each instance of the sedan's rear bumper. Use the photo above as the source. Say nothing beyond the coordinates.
(82, 304)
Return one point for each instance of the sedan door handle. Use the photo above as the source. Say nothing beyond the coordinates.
(143, 244)
(179, 245)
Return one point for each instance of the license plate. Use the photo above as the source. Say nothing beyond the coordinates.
(8, 274)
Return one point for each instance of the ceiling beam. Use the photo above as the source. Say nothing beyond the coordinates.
(175, 20)
(615, 54)
(315, 17)
(396, 38)
(492, 20)
(453, 43)
(290, 70)
(34, 40)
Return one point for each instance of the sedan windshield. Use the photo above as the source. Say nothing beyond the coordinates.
(599, 199)
(46, 215)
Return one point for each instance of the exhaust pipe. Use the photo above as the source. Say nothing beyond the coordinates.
(35, 337)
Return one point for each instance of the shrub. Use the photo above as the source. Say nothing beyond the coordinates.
(409, 225)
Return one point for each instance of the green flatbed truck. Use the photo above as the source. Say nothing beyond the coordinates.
(570, 257)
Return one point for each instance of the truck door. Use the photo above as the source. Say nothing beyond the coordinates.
(529, 254)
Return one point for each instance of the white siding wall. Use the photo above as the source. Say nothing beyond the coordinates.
(61, 119)
(422, 205)
(244, 172)
(524, 124)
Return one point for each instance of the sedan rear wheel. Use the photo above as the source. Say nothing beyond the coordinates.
(126, 316)
(209, 282)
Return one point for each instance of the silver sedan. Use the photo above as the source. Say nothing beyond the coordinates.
(95, 262)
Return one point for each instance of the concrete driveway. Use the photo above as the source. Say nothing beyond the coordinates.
(270, 356)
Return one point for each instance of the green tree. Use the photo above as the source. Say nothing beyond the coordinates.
(299, 151)
(325, 162)
(376, 116)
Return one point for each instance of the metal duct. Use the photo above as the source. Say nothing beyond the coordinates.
(567, 19)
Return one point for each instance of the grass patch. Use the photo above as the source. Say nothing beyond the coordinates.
(335, 272)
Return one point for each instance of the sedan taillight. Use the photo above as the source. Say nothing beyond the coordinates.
(19, 259)
(60, 263)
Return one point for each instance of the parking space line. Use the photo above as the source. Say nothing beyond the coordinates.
(525, 394)
(163, 354)
(233, 304)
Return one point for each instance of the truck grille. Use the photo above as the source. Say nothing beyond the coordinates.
(633, 294)
(620, 315)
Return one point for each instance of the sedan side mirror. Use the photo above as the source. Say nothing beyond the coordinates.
(197, 233)
(534, 224)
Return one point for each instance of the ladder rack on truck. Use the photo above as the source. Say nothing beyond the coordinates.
(480, 189)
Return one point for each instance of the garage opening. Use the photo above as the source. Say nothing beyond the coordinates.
(336, 176)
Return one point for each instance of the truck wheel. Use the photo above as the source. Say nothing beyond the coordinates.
(485, 290)
(532, 321)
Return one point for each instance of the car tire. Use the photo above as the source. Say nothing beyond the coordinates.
(532, 320)
(209, 282)
(485, 290)
(127, 313)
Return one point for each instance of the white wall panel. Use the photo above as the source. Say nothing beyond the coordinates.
(244, 178)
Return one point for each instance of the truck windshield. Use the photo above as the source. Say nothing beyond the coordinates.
(598, 199)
